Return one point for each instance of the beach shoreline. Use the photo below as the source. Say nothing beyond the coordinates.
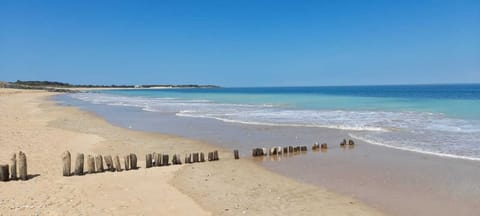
(395, 181)
(36, 125)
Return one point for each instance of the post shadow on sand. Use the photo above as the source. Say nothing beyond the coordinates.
(32, 176)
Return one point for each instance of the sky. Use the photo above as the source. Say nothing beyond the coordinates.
(241, 43)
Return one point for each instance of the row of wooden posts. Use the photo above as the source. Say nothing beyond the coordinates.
(95, 163)
(157, 159)
(9, 172)
(278, 150)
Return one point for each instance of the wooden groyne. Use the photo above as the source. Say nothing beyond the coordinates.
(95, 164)
(292, 150)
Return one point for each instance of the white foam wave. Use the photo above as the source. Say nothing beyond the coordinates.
(424, 132)
(413, 149)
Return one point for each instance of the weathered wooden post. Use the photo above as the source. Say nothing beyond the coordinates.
(179, 159)
(133, 161)
(202, 157)
(79, 164)
(165, 160)
(324, 146)
(195, 157)
(118, 166)
(159, 159)
(22, 166)
(215, 155)
(13, 167)
(99, 163)
(210, 156)
(4, 172)
(285, 150)
(343, 143)
(273, 151)
(109, 163)
(279, 150)
(148, 160)
(351, 142)
(67, 163)
(235, 154)
(90, 164)
(154, 159)
(126, 160)
(290, 149)
(174, 159)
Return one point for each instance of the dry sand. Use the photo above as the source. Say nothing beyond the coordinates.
(31, 123)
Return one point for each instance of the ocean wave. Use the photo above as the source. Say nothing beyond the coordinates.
(424, 132)
(414, 149)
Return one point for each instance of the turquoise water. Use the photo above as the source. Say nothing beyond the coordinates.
(454, 100)
(434, 119)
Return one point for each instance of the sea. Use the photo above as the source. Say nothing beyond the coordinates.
(442, 120)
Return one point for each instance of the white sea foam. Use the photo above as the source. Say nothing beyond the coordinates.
(424, 132)
(414, 149)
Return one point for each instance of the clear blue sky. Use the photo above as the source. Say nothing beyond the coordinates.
(241, 43)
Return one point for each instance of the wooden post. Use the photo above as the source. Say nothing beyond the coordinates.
(290, 149)
(273, 151)
(279, 150)
(79, 164)
(99, 163)
(351, 142)
(343, 143)
(4, 172)
(109, 163)
(202, 157)
(90, 164)
(160, 159)
(148, 160)
(13, 167)
(195, 158)
(154, 157)
(179, 159)
(67, 163)
(165, 160)
(235, 154)
(324, 146)
(174, 159)
(118, 166)
(285, 150)
(133, 161)
(215, 155)
(22, 166)
(210, 156)
(126, 160)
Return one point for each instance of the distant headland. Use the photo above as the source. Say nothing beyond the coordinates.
(54, 86)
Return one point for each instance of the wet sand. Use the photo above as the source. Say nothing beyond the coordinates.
(34, 124)
(395, 181)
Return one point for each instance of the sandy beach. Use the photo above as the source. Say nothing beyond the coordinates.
(32, 123)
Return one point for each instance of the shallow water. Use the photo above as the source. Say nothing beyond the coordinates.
(434, 119)
(397, 182)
